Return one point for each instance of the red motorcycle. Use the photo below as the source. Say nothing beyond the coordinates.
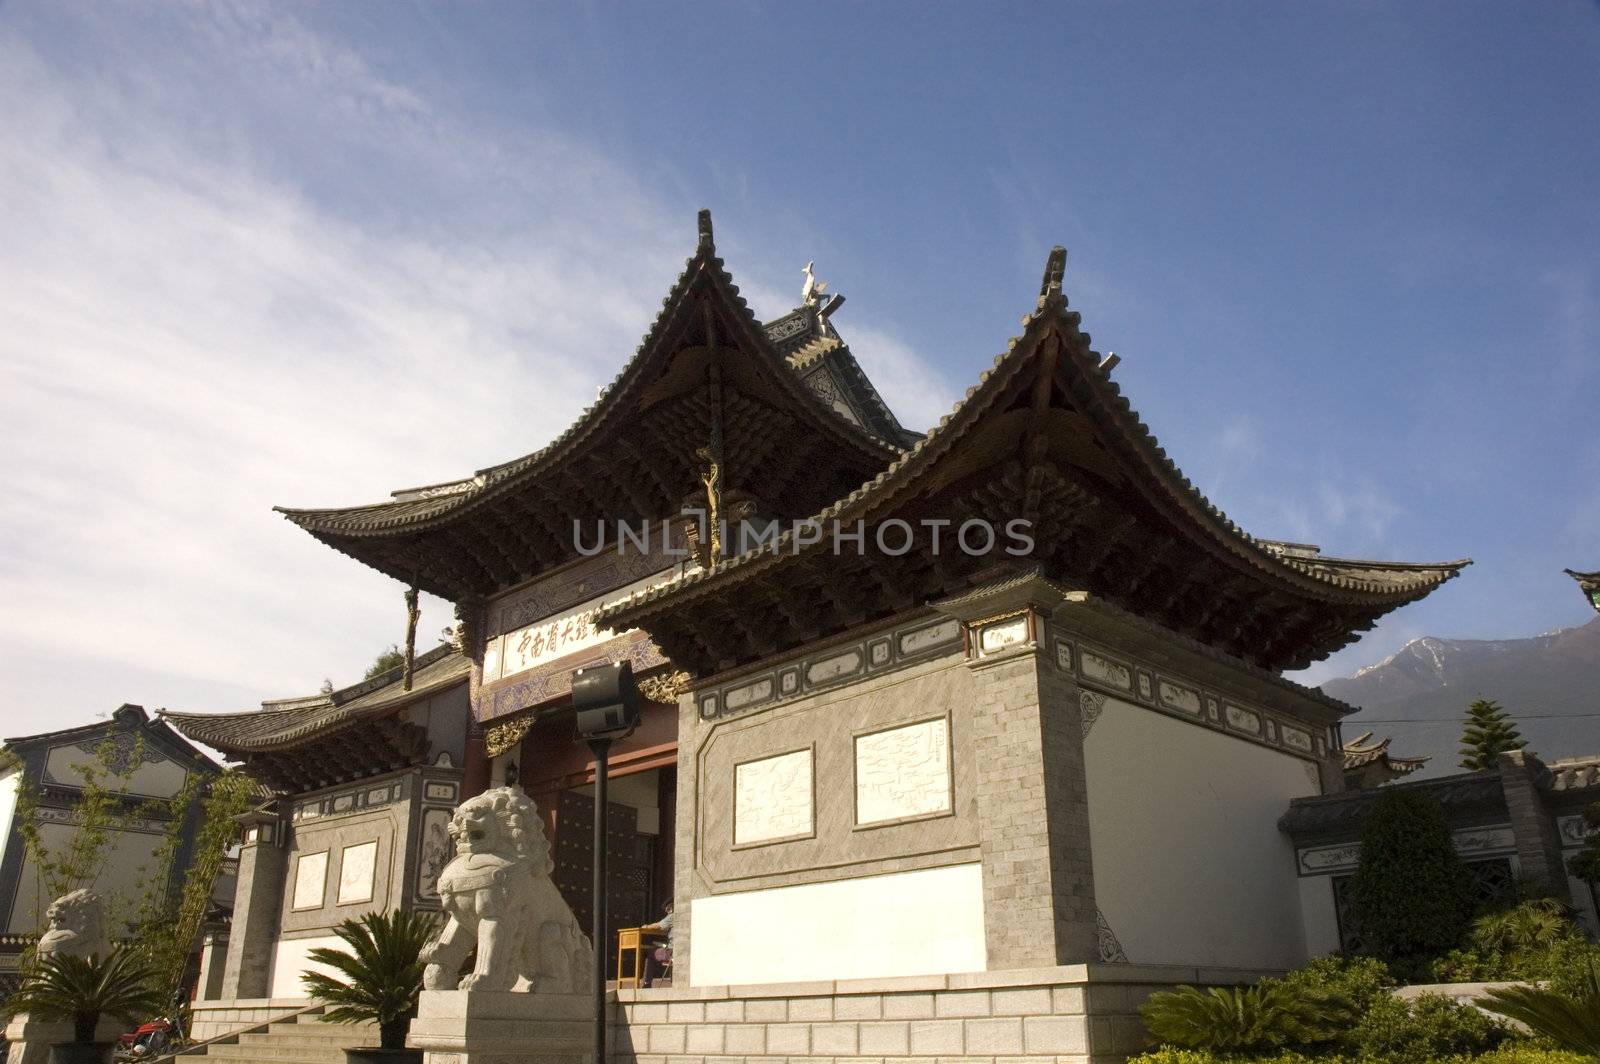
(150, 1040)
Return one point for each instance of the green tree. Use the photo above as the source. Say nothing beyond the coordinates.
(1489, 733)
(1412, 897)
(392, 658)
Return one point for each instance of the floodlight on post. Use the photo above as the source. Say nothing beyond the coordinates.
(605, 704)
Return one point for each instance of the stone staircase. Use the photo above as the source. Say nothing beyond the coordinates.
(297, 1039)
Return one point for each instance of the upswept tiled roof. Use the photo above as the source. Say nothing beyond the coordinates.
(1463, 796)
(424, 507)
(1575, 773)
(275, 729)
(1589, 583)
(1306, 570)
(807, 338)
(1363, 751)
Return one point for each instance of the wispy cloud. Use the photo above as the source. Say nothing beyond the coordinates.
(193, 336)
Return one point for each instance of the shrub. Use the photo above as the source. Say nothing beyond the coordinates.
(1525, 928)
(1412, 895)
(379, 975)
(1356, 981)
(1571, 1021)
(1567, 967)
(84, 989)
(1171, 1055)
(1430, 1026)
(1266, 1016)
(1527, 1053)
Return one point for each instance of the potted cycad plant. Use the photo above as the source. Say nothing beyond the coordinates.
(81, 990)
(379, 976)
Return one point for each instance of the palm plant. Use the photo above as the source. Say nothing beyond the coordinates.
(82, 989)
(1262, 1017)
(381, 972)
(1527, 927)
(1571, 1021)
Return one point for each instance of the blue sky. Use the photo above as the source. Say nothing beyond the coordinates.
(305, 254)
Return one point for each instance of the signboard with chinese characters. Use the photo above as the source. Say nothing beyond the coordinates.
(527, 648)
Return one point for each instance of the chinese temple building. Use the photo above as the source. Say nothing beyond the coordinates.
(954, 744)
(143, 768)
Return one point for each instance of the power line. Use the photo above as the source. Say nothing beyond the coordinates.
(1457, 720)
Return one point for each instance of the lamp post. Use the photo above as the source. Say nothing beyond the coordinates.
(605, 700)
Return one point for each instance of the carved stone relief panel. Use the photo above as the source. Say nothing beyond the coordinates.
(903, 772)
(357, 864)
(310, 879)
(772, 798)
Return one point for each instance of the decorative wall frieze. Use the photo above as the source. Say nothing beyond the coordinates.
(1111, 951)
(70, 818)
(1106, 671)
(1574, 831)
(1090, 705)
(344, 803)
(878, 652)
(1331, 859)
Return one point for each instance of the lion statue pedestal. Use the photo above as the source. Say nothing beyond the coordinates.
(526, 997)
(75, 928)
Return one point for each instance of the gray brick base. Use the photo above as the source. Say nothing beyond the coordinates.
(1071, 1014)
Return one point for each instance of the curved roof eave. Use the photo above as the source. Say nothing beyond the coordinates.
(417, 515)
(1114, 412)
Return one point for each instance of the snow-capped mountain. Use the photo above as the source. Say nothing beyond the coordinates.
(1545, 681)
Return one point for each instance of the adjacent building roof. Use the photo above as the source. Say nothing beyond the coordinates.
(1575, 774)
(1047, 437)
(816, 351)
(1368, 762)
(125, 718)
(1589, 583)
(1465, 797)
(304, 743)
(279, 727)
(707, 381)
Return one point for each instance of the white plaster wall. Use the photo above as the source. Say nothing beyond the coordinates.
(928, 922)
(289, 960)
(127, 863)
(8, 807)
(1189, 864)
(1318, 916)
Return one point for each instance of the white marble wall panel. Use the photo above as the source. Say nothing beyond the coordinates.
(773, 798)
(903, 772)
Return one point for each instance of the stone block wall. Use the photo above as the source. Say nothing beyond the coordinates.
(214, 1019)
(1070, 1014)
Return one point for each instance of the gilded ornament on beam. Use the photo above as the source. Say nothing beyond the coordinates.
(503, 737)
(664, 688)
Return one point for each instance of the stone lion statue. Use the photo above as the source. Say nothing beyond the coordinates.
(76, 926)
(498, 897)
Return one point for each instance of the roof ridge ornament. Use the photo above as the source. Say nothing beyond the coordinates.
(1055, 271)
(707, 242)
(812, 291)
